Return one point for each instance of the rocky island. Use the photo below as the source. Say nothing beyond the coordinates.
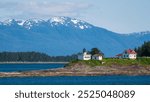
(92, 68)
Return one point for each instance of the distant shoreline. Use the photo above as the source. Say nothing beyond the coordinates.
(34, 62)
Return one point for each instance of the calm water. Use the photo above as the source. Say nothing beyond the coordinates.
(27, 67)
(78, 80)
(66, 80)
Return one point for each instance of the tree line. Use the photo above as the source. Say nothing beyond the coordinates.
(143, 50)
(33, 57)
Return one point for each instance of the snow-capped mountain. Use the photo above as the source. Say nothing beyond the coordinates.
(54, 21)
(64, 36)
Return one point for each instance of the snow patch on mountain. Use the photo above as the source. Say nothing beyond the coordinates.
(57, 20)
(21, 22)
(138, 34)
(7, 22)
(82, 27)
(54, 21)
(28, 24)
(75, 21)
(144, 33)
(31, 22)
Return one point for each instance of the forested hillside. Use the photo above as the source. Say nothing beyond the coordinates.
(144, 50)
(32, 57)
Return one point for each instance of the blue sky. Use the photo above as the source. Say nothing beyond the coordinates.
(123, 16)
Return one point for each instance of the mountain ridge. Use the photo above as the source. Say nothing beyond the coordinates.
(52, 21)
(64, 36)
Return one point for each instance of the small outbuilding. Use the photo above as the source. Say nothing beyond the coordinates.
(119, 56)
(97, 57)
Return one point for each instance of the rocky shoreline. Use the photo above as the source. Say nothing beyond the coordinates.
(79, 69)
(34, 62)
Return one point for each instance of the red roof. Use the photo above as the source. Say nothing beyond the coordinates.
(119, 55)
(129, 51)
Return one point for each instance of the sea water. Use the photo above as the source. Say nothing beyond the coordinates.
(66, 80)
(77, 80)
(28, 67)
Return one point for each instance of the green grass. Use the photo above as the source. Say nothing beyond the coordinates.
(121, 62)
(111, 61)
(89, 62)
(144, 61)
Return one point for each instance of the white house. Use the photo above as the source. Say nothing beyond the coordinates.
(130, 54)
(84, 56)
(97, 57)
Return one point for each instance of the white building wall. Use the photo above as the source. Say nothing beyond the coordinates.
(100, 58)
(84, 56)
(124, 55)
(132, 56)
(97, 57)
(87, 57)
(93, 58)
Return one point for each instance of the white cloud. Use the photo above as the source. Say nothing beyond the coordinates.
(43, 9)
